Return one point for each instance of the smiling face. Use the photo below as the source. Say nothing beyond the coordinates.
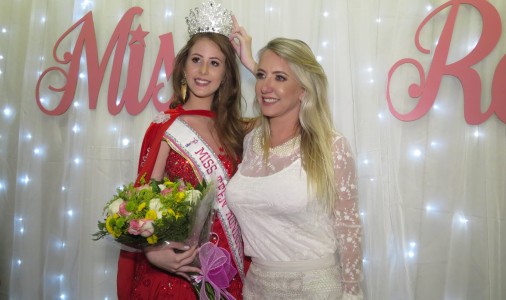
(204, 69)
(278, 91)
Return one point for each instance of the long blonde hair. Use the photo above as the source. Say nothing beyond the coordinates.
(317, 130)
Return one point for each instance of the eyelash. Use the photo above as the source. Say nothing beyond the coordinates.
(261, 75)
(197, 60)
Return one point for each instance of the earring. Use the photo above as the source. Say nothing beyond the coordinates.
(183, 88)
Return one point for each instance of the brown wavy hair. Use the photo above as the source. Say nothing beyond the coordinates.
(227, 99)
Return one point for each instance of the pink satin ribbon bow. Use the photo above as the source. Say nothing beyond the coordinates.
(217, 269)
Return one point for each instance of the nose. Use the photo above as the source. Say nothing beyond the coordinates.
(264, 85)
(203, 68)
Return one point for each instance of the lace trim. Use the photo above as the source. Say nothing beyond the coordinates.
(283, 150)
(161, 117)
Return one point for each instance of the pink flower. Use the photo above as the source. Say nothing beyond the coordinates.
(141, 227)
(166, 191)
(122, 210)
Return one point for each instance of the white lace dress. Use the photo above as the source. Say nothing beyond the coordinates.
(297, 250)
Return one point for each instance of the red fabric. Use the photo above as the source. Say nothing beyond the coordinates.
(153, 138)
(137, 278)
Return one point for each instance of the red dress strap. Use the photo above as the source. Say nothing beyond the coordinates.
(153, 137)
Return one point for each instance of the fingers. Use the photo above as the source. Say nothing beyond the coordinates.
(234, 21)
(167, 259)
(176, 245)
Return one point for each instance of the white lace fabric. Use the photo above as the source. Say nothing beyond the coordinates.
(281, 222)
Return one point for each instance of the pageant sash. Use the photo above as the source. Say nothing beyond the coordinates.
(184, 140)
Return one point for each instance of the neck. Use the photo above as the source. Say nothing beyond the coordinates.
(282, 132)
(198, 104)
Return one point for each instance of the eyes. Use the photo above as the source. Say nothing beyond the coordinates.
(277, 77)
(212, 62)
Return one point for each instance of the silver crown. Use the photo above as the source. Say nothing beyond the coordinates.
(210, 17)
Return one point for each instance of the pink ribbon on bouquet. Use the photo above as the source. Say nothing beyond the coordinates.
(217, 270)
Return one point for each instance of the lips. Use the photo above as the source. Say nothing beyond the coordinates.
(201, 82)
(270, 100)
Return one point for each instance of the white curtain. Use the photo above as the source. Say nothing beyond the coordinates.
(432, 191)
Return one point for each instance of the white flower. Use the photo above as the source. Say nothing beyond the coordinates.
(156, 205)
(114, 207)
(147, 228)
(193, 196)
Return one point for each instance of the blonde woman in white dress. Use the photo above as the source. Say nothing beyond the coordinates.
(295, 192)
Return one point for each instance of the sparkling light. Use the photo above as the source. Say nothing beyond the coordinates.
(82, 75)
(22, 230)
(378, 20)
(411, 254)
(70, 213)
(1, 56)
(326, 14)
(4, 30)
(63, 296)
(125, 142)
(168, 13)
(380, 116)
(417, 153)
(429, 7)
(76, 128)
(429, 208)
(77, 160)
(25, 179)
(76, 104)
(463, 220)
(19, 262)
(319, 58)
(477, 133)
(63, 188)
(37, 151)
(412, 244)
(43, 20)
(7, 111)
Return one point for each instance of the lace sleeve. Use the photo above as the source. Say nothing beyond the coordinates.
(347, 224)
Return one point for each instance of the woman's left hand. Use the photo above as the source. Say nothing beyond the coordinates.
(241, 42)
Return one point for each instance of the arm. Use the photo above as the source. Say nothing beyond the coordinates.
(241, 42)
(347, 224)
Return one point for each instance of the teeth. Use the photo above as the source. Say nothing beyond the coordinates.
(200, 81)
(270, 100)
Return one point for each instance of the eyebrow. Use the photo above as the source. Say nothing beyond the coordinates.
(199, 55)
(275, 72)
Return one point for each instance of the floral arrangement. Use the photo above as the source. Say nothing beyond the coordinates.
(139, 217)
(154, 213)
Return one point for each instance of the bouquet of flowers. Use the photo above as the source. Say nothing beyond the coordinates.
(165, 211)
(155, 213)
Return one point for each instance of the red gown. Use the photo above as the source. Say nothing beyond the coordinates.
(138, 279)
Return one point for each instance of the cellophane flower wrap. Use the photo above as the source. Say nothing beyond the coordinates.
(155, 213)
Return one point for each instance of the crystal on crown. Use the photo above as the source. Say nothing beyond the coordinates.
(210, 17)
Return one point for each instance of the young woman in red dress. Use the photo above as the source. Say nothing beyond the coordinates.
(199, 138)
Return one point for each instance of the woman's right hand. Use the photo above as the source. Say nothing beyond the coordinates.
(174, 258)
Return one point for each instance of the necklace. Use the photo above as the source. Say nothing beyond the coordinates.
(283, 150)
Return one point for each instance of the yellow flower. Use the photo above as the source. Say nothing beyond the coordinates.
(109, 227)
(171, 212)
(180, 196)
(151, 215)
(152, 239)
(141, 206)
